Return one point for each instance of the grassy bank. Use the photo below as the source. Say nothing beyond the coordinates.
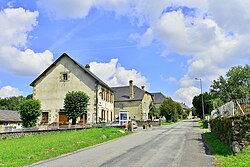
(30, 149)
(170, 123)
(203, 124)
(224, 156)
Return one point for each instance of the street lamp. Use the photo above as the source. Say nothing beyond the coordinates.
(202, 102)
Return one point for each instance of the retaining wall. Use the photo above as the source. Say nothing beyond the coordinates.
(234, 131)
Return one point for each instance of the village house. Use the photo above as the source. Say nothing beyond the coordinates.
(158, 98)
(133, 99)
(9, 120)
(66, 75)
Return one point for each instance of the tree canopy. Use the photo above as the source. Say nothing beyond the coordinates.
(235, 85)
(168, 109)
(154, 112)
(11, 103)
(29, 110)
(75, 104)
(208, 104)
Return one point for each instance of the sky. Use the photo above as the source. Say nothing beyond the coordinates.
(160, 44)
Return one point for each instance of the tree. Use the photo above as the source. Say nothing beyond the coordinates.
(179, 110)
(11, 103)
(235, 85)
(168, 110)
(75, 104)
(154, 112)
(29, 110)
(208, 104)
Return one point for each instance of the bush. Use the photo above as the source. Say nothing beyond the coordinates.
(203, 124)
(29, 110)
(75, 104)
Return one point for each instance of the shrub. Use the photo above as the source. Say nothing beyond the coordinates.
(29, 110)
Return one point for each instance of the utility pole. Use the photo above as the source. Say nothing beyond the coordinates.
(202, 101)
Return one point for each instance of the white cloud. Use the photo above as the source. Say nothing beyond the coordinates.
(121, 7)
(232, 16)
(186, 95)
(67, 8)
(14, 54)
(15, 23)
(8, 91)
(215, 37)
(115, 75)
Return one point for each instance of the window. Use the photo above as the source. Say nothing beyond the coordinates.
(103, 94)
(45, 117)
(103, 115)
(65, 76)
(107, 96)
(111, 97)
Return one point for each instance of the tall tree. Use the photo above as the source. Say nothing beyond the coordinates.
(29, 110)
(75, 104)
(154, 112)
(168, 110)
(235, 85)
(179, 109)
(208, 104)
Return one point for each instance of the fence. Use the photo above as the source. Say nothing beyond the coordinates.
(234, 107)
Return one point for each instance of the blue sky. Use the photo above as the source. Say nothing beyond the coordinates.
(162, 44)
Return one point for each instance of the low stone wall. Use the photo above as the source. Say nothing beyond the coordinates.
(148, 123)
(36, 132)
(233, 131)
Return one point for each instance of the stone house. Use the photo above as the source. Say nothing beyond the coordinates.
(158, 98)
(66, 75)
(133, 99)
(9, 120)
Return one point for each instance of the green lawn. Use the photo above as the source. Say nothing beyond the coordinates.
(30, 149)
(224, 156)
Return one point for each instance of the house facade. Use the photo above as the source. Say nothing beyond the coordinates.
(66, 75)
(9, 120)
(133, 99)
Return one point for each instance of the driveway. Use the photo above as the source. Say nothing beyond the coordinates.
(177, 145)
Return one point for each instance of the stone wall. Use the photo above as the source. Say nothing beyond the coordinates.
(148, 123)
(35, 132)
(234, 131)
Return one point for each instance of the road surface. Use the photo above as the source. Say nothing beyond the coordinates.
(177, 145)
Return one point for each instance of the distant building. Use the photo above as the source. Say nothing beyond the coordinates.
(133, 99)
(9, 119)
(158, 98)
(66, 75)
(185, 108)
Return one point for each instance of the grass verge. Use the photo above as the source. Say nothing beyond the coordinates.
(170, 123)
(29, 149)
(203, 124)
(224, 157)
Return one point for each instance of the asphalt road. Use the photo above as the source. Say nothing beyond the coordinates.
(177, 145)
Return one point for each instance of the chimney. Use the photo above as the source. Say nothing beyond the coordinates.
(142, 87)
(87, 67)
(131, 89)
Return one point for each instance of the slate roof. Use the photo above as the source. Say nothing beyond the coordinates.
(82, 67)
(184, 106)
(122, 93)
(158, 97)
(9, 116)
